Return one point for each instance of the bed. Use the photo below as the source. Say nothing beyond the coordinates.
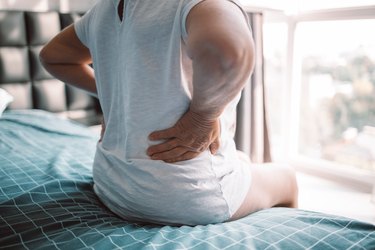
(46, 187)
(47, 202)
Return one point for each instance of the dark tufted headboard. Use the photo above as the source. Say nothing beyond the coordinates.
(22, 36)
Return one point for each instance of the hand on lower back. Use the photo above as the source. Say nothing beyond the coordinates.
(102, 130)
(190, 136)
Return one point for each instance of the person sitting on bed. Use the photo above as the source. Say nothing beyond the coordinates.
(168, 75)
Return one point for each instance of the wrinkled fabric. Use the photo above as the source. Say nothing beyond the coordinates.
(144, 83)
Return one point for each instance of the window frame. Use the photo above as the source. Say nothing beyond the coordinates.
(291, 98)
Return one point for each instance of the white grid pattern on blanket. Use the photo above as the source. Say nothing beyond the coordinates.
(46, 200)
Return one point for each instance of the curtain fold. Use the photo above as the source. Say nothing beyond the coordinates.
(252, 133)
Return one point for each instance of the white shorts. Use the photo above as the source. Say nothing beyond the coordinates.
(173, 194)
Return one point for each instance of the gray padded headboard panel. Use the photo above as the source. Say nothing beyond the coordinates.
(22, 36)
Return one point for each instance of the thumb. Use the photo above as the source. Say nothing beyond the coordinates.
(215, 145)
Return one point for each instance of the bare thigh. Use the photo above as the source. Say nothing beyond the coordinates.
(271, 185)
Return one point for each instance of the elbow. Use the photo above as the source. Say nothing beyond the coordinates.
(239, 58)
(49, 57)
(43, 56)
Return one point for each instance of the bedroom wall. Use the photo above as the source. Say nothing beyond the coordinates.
(45, 5)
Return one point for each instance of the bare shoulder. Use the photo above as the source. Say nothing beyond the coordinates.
(217, 8)
(220, 22)
(217, 14)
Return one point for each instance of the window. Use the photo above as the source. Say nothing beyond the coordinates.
(320, 83)
(296, 6)
(336, 64)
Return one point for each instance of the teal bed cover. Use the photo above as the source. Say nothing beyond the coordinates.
(47, 202)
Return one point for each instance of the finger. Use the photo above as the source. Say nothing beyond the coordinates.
(187, 156)
(102, 131)
(214, 147)
(171, 154)
(162, 134)
(162, 147)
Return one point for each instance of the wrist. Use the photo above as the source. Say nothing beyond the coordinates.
(204, 116)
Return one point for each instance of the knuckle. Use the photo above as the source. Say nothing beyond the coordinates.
(173, 143)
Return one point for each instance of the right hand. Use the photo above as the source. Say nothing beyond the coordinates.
(191, 135)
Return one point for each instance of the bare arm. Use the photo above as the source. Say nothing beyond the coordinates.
(67, 59)
(221, 48)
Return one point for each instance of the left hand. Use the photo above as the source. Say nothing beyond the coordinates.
(102, 130)
(190, 136)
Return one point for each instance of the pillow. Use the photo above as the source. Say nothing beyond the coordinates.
(5, 99)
